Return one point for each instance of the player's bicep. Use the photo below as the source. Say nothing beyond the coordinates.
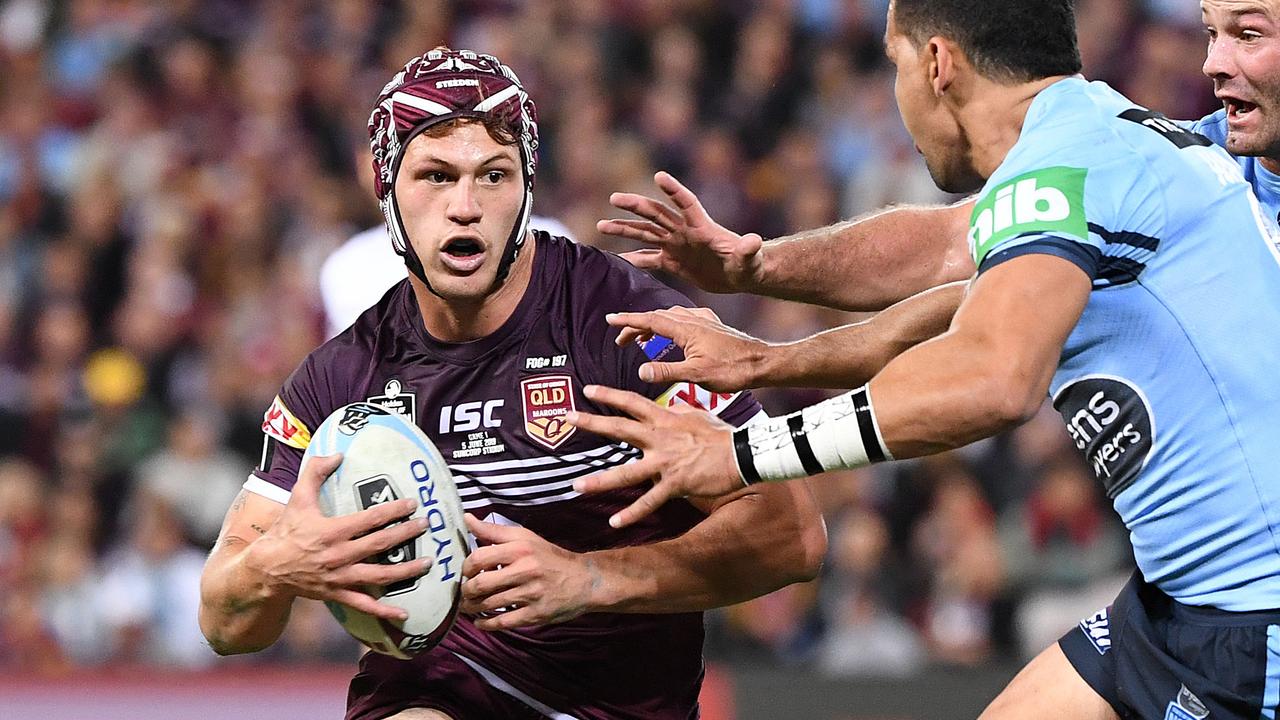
(248, 518)
(1023, 310)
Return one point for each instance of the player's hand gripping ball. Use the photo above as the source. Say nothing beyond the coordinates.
(386, 458)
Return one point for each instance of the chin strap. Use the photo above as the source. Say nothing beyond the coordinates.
(516, 240)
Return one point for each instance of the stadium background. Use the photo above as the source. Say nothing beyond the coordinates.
(173, 174)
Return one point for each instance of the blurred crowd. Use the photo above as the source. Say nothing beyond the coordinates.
(172, 175)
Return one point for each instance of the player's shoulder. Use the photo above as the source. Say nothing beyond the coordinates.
(373, 333)
(1212, 126)
(1081, 124)
(1076, 167)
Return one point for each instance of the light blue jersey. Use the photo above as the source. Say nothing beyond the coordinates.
(1168, 384)
(1266, 184)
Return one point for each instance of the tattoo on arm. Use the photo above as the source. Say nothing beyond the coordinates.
(261, 530)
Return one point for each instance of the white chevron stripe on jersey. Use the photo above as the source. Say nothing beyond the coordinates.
(567, 471)
(514, 485)
(512, 502)
(586, 455)
(524, 488)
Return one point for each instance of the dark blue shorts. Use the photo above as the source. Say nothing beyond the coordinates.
(1154, 658)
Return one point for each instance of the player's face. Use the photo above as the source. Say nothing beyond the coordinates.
(459, 197)
(931, 123)
(1244, 63)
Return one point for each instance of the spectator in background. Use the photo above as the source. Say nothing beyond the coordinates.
(1064, 556)
(865, 636)
(194, 475)
(149, 592)
(957, 541)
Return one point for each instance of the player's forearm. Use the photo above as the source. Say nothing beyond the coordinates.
(761, 540)
(239, 611)
(849, 356)
(955, 390)
(872, 262)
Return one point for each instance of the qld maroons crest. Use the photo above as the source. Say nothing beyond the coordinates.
(547, 400)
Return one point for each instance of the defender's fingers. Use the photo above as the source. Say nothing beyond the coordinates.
(317, 469)
(366, 604)
(658, 322)
(655, 498)
(683, 197)
(367, 546)
(618, 428)
(634, 404)
(648, 259)
(659, 373)
(647, 208)
(642, 230)
(695, 312)
(619, 477)
(630, 335)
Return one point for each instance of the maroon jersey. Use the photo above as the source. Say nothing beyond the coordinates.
(495, 408)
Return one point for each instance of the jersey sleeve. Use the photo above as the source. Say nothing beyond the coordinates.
(1095, 205)
(302, 404)
(627, 289)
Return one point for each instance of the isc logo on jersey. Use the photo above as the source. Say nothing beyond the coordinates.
(1045, 201)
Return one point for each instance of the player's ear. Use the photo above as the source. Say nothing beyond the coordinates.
(940, 57)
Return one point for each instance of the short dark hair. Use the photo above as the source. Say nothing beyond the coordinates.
(499, 131)
(1006, 40)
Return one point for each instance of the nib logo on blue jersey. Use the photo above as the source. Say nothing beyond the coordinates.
(1186, 707)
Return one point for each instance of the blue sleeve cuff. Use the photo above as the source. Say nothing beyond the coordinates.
(1084, 256)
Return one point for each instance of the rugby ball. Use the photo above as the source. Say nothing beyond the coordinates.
(387, 458)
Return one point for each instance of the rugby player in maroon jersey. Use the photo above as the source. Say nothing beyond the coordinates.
(487, 347)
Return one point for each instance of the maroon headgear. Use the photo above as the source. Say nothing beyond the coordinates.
(443, 85)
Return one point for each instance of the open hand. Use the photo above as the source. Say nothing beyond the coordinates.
(716, 356)
(686, 241)
(323, 558)
(687, 452)
(523, 580)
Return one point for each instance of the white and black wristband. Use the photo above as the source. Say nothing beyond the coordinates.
(838, 434)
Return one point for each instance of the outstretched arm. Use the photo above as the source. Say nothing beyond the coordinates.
(988, 373)
(864, 264)
(723, 359)
(752, 542)
(871, 262)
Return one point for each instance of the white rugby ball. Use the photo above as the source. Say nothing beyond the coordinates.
(386, 458)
